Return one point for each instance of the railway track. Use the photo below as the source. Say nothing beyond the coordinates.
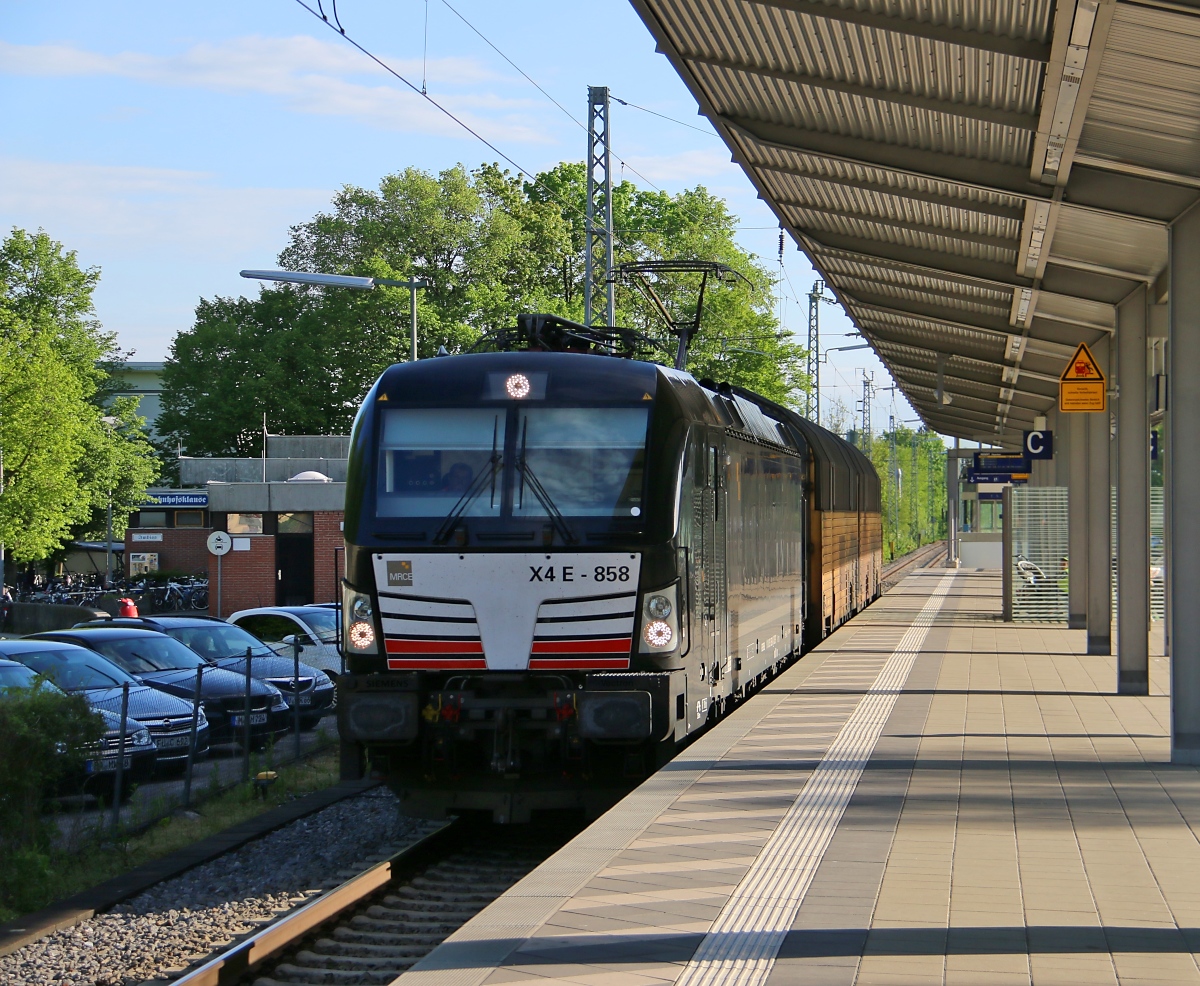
(922, 557)
(379, 923)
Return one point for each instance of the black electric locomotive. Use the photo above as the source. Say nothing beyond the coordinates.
(561, 565)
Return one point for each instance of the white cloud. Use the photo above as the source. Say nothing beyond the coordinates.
(158, 209)
(703, 165)
(309, 76)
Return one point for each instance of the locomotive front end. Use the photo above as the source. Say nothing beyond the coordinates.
(512, 604)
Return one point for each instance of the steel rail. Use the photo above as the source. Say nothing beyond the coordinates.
(234, 962)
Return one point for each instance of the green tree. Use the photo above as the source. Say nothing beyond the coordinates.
(913, 502)
(61, 459)
(490, 247)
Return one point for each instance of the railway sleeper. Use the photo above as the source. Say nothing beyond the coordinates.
(420, 918)
(292, 975)
(473, 901)
(411, 895)
(353, 963)
(384, 938)
(399, 949)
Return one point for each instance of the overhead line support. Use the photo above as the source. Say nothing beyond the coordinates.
(598, 245)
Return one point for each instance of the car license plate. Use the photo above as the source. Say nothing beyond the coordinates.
(306, 700)
(107, 764)
(256, 719)
(172, 742)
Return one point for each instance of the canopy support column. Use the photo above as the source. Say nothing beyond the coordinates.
(1077, 516)
(1183, 491)
(1133, 499)
(1099, 524)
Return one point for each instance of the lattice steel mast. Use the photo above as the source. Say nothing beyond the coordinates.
(598, 247)
(868, 394)
(812, 409)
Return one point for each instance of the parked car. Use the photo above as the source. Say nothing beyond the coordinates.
(99, 769)
(225, 645)
(315, 626)
(81, 671)
(164, 663)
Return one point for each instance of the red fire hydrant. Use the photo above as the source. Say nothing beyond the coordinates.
(126, 607)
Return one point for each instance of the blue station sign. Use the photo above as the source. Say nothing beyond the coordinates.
(176, 499)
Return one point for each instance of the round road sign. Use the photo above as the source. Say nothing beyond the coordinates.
(219, 543)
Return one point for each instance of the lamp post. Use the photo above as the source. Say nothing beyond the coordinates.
(112, 423)
(348, 281)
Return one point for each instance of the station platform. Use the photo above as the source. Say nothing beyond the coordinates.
(930, 796)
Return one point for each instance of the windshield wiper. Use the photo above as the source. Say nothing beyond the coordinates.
(539, 491)
(486, 477)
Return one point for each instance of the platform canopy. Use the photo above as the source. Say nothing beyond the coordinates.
(979, 181)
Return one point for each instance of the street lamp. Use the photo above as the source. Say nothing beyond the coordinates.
(347, 281)
(112, 423)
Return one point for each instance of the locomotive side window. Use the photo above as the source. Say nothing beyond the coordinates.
(590, 461)
(431, 457)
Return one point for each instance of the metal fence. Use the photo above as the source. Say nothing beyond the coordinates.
(1038, 525)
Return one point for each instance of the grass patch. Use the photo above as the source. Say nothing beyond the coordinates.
(58, 874)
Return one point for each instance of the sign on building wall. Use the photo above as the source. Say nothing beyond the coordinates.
(164, 499)
(141, 562)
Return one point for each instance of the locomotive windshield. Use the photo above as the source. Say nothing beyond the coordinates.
(515, 463)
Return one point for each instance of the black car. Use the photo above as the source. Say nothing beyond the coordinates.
(225, 645)
(98, 776)
(79, 670)
(164, 663)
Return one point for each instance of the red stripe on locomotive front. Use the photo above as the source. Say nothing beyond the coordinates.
(618, 645)
(579, 664)
(434, 646)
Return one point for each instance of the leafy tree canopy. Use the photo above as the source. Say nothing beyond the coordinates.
(490, 246)
(62, 460)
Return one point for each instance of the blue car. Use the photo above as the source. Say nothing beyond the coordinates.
(225, 645)
(164, 663)
(98, 776)
(77, 670)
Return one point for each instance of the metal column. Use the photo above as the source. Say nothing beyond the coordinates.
(1077, 514)
(598, 246)
(1183, 489)
(1133, 499)
(1099, 524)
(952, 494)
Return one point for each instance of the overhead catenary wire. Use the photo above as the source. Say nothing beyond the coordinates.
(442, 109)
(671, 119)
(424, 94)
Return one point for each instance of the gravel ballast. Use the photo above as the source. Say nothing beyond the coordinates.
(164, 929)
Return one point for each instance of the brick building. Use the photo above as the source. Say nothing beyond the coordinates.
(287, 531)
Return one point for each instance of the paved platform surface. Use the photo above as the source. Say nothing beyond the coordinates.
(931, 796)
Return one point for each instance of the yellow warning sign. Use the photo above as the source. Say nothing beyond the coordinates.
(1082, 386)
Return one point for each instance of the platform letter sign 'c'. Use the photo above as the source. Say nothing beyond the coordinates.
(1082, 386)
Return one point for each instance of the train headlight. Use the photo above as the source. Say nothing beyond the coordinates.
(358, 617)
(658, 607)
(361, 635)
(517, 386)
(658, 633)
(660, 621)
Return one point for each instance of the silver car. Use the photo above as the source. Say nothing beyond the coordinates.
(316, 627)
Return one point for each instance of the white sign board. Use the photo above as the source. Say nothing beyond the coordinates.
(147, 536)
(219, 543)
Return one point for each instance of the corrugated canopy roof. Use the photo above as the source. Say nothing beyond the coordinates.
(979, 182)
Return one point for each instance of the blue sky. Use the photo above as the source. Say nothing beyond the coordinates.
(172, 145)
